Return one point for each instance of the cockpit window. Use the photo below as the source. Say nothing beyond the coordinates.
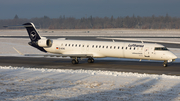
(160, 48)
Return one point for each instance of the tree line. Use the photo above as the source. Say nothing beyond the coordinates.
(136, 22)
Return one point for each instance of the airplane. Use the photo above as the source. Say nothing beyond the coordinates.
(77, 49)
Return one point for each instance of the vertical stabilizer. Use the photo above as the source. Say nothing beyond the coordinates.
(33, 35)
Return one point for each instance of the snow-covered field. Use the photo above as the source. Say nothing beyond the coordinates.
(30, 84)
(22, 84)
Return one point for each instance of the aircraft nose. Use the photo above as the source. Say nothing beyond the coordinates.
(174, 57)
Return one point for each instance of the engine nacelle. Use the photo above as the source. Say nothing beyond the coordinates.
(45, 43)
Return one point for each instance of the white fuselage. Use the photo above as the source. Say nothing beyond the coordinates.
(100, 49)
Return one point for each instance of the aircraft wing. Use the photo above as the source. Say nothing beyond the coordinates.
(170, 44)
(57, 55)
(62, 55)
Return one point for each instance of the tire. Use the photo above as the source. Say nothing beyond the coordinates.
(73, 61)
(77, 61)
(92, 60)
(89, 60)
(164, 64)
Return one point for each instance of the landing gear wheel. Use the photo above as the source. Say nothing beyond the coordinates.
(165, 64)
(90, 60)
(75, 61)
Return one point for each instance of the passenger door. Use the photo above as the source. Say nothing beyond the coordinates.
(146, 52)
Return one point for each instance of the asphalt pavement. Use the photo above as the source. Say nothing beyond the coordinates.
(150, 67)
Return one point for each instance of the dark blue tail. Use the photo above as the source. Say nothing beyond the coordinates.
(33, 35)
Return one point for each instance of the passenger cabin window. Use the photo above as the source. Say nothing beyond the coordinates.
(122, 47)
(106, 46)
(118, 47)
(62, 44)
(92, 46)
(72, 45)
(69, 44)
(160, 49)
(76, 45)
(102, 46)
(79, 45)
(82, 45)
(87, 45)
(110, 47)
(114, 47)
(96, 46)
(65, 44)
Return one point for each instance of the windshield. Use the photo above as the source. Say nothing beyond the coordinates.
(160, 48)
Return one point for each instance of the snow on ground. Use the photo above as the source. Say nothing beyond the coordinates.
(18, 83)
(20, 44)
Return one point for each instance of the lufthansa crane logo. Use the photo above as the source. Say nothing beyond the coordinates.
(33, 35)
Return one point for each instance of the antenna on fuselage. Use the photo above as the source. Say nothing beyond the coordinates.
(113, 40)
(142, 41)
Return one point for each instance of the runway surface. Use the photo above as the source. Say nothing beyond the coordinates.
(151, 67)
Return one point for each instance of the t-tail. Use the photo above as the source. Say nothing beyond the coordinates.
(34, 36)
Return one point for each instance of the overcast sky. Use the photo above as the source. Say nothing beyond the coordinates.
(83, 8)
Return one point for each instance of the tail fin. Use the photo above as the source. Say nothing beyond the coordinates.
(33, 35)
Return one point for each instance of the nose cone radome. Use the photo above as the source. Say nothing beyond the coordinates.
(174, 57)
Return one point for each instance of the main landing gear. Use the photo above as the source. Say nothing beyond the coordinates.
(76, 61)
(90, 60)
(165, 64)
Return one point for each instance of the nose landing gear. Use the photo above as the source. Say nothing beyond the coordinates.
(165, 64)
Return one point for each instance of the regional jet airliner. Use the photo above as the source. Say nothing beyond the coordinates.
(77, 49)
